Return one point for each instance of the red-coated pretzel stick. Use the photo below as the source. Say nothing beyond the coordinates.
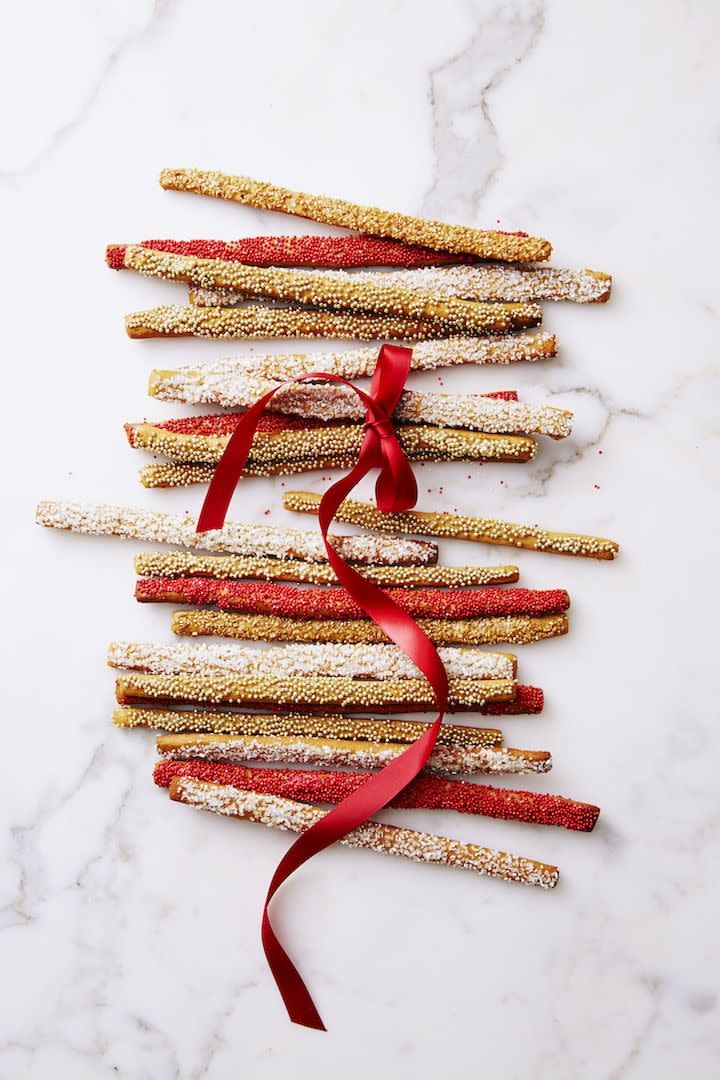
(424, 793)
(333, 602)
(324, 252)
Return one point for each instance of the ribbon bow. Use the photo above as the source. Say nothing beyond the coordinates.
(395, 490)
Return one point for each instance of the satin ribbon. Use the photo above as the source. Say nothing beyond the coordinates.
(395, 490)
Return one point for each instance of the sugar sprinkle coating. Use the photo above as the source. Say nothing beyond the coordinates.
(422, 793)
(357, 754)
(173, 474)
(170, 564)
(334, 602)
(360, 729)
(311, 692)
(236, 537)
(332, 445)
(288, 661)
(256, 321)
(460, 527)
(386, 839)
(510, 284)
(515, 630)
(328, 252)
(334, 292)
(370, 220)
(221, 382)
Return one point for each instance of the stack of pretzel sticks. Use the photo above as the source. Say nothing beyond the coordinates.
(326, 432)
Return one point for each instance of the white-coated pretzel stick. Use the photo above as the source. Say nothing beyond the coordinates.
(475, 412)
(333, 293)
(511, 284)
(349, 661)
(222, 382)
(169, 564)
(235, 537)
(484, 243)
(347, 752)
(357, 728)
(292, 816)
(308, 692)
(513, 629)
(461, 527)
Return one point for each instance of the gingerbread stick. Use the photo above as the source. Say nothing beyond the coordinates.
(460, 527)
(483, 243)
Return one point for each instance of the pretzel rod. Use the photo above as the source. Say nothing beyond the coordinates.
(220, 382)
(314, 693)
(514, 630)
(235, 537)
(364, 755)
(423, 793)
(387, 839)
(483, 243)
(477, 412)
(327, 252)
(477, 283)
(334, 602)
(362, 729)
(460, 527)
(334, 292)
(288, 661)
(333, 443)
(259, 321)
(172, 474)
(170, 564)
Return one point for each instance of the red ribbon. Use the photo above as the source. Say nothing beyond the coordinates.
(395, 490)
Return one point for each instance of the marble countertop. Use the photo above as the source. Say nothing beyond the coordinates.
(131, 942)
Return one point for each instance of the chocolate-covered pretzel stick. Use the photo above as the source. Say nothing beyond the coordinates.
(327, 252)
(170, 564)
(314, 693)
(510, 284)
(483, 243)
(235, 537)
(515, 630)
(221, 382)
(357, 754)
(334, 602)
(259, 321)
(460, 527)
(349, 661)
(387, 839)
(423, 793)
(363, 729)
(340, 292)
(331, 445)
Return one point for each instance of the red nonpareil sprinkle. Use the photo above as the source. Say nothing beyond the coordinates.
(425, 792)
(528, 700)
(503, 395)
(323, 252)
(225, 423)
(334, 602)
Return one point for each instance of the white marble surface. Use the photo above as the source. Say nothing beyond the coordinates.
(130, 926)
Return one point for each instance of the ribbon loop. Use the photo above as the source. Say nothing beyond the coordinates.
(396, 489)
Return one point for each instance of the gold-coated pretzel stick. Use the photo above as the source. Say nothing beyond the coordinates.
(462, 239)
(510, 284)
(222, 382)
(281, 813)
(289, 661)
(331, 443)
(347, 752)
(173, 474)
(260, 321)
(324, 293)
(476, 412)
(235, 537)
(460, 527)
(184, 564)
(359, 729)
(512, 629)
(314, 693)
